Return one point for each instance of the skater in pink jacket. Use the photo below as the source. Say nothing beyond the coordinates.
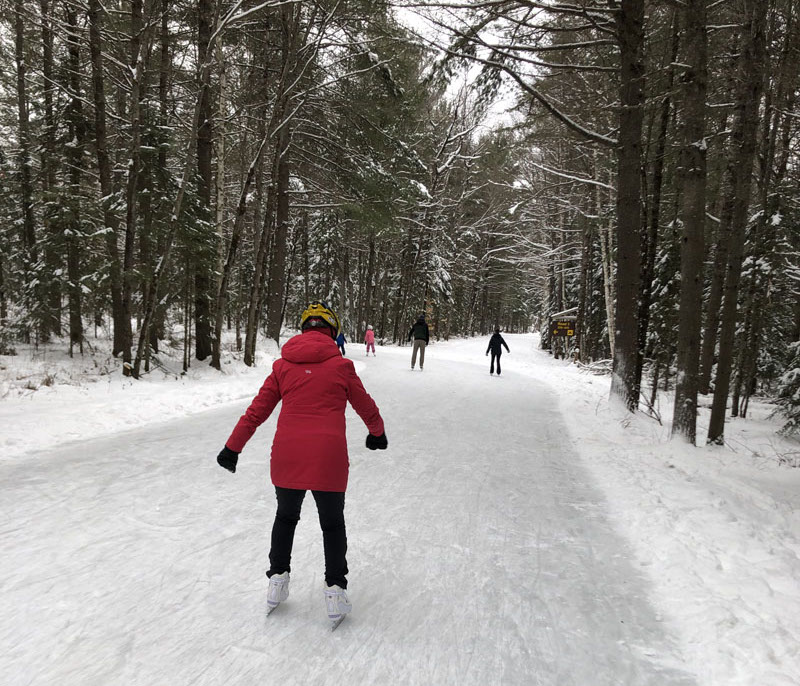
(369, 339)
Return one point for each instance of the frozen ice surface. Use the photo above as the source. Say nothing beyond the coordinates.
(482, 550)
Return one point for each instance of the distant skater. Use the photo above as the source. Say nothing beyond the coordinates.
(369, 339)
(340, 341)
(419, 332)
(495, 347)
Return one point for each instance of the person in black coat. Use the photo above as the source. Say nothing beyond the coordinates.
(419, 331)
(495, 347)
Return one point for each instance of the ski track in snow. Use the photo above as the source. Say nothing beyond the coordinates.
(480, 552)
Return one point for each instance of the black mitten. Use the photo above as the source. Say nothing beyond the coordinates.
(228, 459)
(377, 442)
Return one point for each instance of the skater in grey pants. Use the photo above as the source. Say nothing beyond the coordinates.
(419, 332)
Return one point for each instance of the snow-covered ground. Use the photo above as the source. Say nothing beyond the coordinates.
(518, 530)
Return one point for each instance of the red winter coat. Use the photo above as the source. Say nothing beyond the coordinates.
(369, 337)
(315, 382)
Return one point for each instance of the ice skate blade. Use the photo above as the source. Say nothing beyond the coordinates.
(336, 622)
(272, 608)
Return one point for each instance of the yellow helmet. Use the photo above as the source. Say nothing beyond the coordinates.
(320, 311)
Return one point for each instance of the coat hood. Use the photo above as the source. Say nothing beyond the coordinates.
(311, 346)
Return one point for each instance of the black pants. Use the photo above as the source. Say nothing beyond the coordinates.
(491, 367)
(330, 506)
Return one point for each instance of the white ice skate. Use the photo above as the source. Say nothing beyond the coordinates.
(278, 590)
(337, 604)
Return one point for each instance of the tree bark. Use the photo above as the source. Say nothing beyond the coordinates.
(3, 305)
(629, 202)
(368, 282)
(73, 230)
(583, 289)
(151, 301)
(277, 275)
(205, 144)
(734, 215)
(110, 219)
(779, 101)
(28, 234)
(51, 320)
(693, 213)
(714, 300)
(227, 269)
(138, 49)
(256, 288)
(650, 244)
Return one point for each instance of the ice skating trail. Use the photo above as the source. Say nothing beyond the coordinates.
(480, 553)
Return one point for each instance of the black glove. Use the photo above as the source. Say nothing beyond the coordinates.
(228, 459)
(377, 442)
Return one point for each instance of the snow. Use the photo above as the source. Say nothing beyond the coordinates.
(519, 529)
(572, 177)
(87, 397)
(421, 187)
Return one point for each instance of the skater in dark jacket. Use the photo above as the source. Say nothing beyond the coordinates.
(309, 451)
(419, 332)
(496, 344)
(340, 341)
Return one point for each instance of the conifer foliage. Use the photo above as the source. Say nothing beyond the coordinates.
(174, 169)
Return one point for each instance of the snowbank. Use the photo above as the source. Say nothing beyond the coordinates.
(716, 529)
(48, 398)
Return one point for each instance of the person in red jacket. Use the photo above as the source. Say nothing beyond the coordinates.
(309, 451)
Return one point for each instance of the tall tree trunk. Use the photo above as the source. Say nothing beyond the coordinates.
(74, 230)
(28, 224)
(583, 289)
(734, 215)
(650, 243)
(369, 286)
(159, 209)
(219, 142)
(151, 301)
(146, 252)
(51, 320)
(138, 49)
(776, 130)
(404, 285)
(227, 269)
(110, 219)
(629, 202)
(306, 259)
(606, 232)
(277, 276)
(164, 68)
(269, 128)
(205, 144)
(714, 300)
(693, 214)
(256, 288)
(3, 305)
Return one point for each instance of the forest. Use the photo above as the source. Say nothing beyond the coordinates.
(174, 170)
